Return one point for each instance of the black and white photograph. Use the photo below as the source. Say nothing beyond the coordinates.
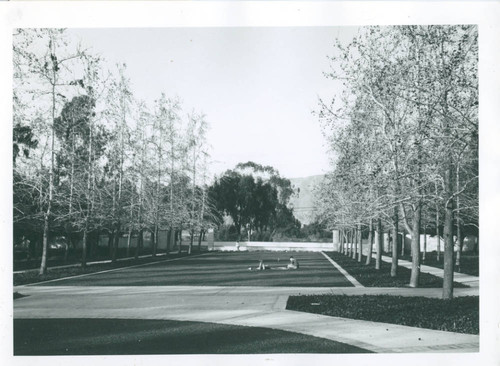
(250, 182)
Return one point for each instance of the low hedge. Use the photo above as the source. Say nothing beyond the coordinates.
(460, 314)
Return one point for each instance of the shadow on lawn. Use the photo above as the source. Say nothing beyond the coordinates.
(221, 269)
(368, 276)
(134, 337)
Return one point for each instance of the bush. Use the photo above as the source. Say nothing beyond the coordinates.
(261, 236)
(456, 315)
(226, 233)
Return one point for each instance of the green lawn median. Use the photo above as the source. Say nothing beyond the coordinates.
(469, 262)
(368, 276)
(459, 315)
(30, 276)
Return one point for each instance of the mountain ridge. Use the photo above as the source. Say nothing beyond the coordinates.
(302, 201)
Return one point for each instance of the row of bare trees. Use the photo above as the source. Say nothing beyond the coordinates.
(89, 158)
(404, 136)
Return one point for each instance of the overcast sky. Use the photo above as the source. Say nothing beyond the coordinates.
(257, 86)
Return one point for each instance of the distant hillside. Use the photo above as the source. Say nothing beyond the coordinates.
(303, 201)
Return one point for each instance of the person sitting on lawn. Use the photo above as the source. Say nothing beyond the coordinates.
(294, 264)
(261, 266)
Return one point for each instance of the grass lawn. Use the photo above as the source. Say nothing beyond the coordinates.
(460, 314)
(56, 258)
(134, 337)
(221, 269)
(469, 262)
(368, 276)
(53, 273)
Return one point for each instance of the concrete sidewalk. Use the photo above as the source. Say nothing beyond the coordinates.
(247, 306)
(243, 290)
(472, 281)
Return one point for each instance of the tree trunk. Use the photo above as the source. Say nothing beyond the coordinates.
(71, 189)
(191, 240)
(129, 239)
(355, 243)
(193, 196)
(66, 249)
(349, 242)
(153, 242)
(115, 244)
(415, 247)
(174, 243)
(180, 237)
(459, 226)
(438, 237)
(97, 244)
(403, 239)
(43, 265)
(90, 192)
(84, 247)
(130, 227)
(111, 237)
(425, 243)
(395, 252)
(140, 241)
(370, 243)
(345, 242)
(346, 238)
(379, 240)
(360, 244)
(169, 240)
(460, 243)
(448, 252)
(199, 241)
(39, 247)
(157, 239)
(90, 244)
(341, 241)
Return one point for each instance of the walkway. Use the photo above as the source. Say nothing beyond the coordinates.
(247, 306)
(472, 281)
